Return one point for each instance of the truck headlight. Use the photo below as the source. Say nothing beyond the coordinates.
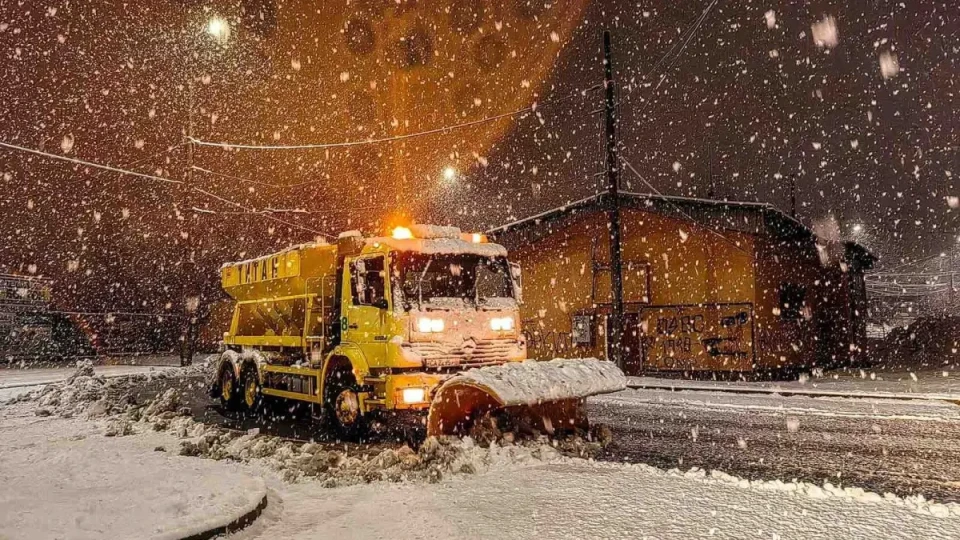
(413, 395)
(427, 325)
(501, 324)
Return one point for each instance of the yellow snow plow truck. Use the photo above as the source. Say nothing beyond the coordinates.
(421, 323)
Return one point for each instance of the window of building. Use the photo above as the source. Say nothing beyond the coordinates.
(792, 301)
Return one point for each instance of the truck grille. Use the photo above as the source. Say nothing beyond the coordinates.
(483, 353)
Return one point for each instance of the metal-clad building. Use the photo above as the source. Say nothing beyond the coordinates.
(707, 285)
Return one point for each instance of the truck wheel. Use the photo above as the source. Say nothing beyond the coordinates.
(343, 405)
(250, 382)
(230, 397)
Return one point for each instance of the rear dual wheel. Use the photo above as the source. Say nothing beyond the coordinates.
(242, 395)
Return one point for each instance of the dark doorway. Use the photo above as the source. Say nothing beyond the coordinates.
(632, 347)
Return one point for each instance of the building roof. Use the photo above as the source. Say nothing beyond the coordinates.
(741, 216)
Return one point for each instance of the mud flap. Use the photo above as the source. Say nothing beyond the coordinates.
(547, 395)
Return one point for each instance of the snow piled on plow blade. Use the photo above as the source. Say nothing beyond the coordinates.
(549, 394)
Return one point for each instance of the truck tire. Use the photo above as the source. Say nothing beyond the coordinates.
(230, 395)
(342, 405)
(250, 388)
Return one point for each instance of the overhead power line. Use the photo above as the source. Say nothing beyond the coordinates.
(237, 178)
(692, 29)
(153, 177)
(680, 210)
(394, 138)
(690, 34)
(89, 163)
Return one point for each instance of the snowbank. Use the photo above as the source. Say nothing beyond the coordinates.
(61, 479)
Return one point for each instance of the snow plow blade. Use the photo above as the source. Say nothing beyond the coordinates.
(547, 396)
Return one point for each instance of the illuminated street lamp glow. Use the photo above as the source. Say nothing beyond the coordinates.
(449, 174)
(219, 28)
(857, 228)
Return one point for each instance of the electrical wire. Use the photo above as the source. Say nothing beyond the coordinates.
(89, 163)
(151, 177)
(688, 32)
(680, 210)
(363, 142)
(237, 178)
(666, 72)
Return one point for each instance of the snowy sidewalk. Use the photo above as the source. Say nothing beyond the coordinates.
(580, 499)
(930, 384)
(63, 479)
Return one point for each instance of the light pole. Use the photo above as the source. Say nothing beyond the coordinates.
(217, 28)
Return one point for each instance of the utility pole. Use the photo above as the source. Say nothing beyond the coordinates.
(793, 196)
(615, 333)
(188, 330)
(712, 191)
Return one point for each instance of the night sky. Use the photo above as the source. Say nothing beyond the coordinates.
(750, 101)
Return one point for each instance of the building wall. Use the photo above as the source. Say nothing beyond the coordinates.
(681, 281)
(786, 334)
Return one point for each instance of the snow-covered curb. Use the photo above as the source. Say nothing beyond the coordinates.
(917, 503)
(220, 525)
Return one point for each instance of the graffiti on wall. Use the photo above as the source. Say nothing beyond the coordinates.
(543, 343)
(709, 336)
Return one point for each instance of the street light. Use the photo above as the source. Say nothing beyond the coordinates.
(449, 174)
(858, 228)
(219, 28)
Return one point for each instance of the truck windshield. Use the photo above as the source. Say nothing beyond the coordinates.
(433, 279)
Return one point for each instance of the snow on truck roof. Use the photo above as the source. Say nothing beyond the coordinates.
(441, 246)
(426, 239)
(439, 240)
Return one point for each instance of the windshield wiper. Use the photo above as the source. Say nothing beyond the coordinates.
(420, 284)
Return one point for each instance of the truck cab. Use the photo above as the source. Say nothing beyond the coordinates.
(370, 324)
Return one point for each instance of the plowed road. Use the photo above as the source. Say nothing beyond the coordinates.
(904, 447)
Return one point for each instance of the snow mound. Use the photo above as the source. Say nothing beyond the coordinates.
(84, 392)
(333, 466)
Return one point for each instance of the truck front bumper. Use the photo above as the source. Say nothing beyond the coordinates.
(403, 391)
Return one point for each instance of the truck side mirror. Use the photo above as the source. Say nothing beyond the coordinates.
(381, 303)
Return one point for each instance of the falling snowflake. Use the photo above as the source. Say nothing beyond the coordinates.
(67, 143)
(825, 33)
(771, 18)
(295, 64)
(889, 64)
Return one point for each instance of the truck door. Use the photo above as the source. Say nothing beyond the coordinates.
(366, 306)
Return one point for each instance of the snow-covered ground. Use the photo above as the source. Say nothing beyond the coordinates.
(937, 384)
(580, 499)
(62, 478)
(91, 484)
(15, 382)
(834, 406)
